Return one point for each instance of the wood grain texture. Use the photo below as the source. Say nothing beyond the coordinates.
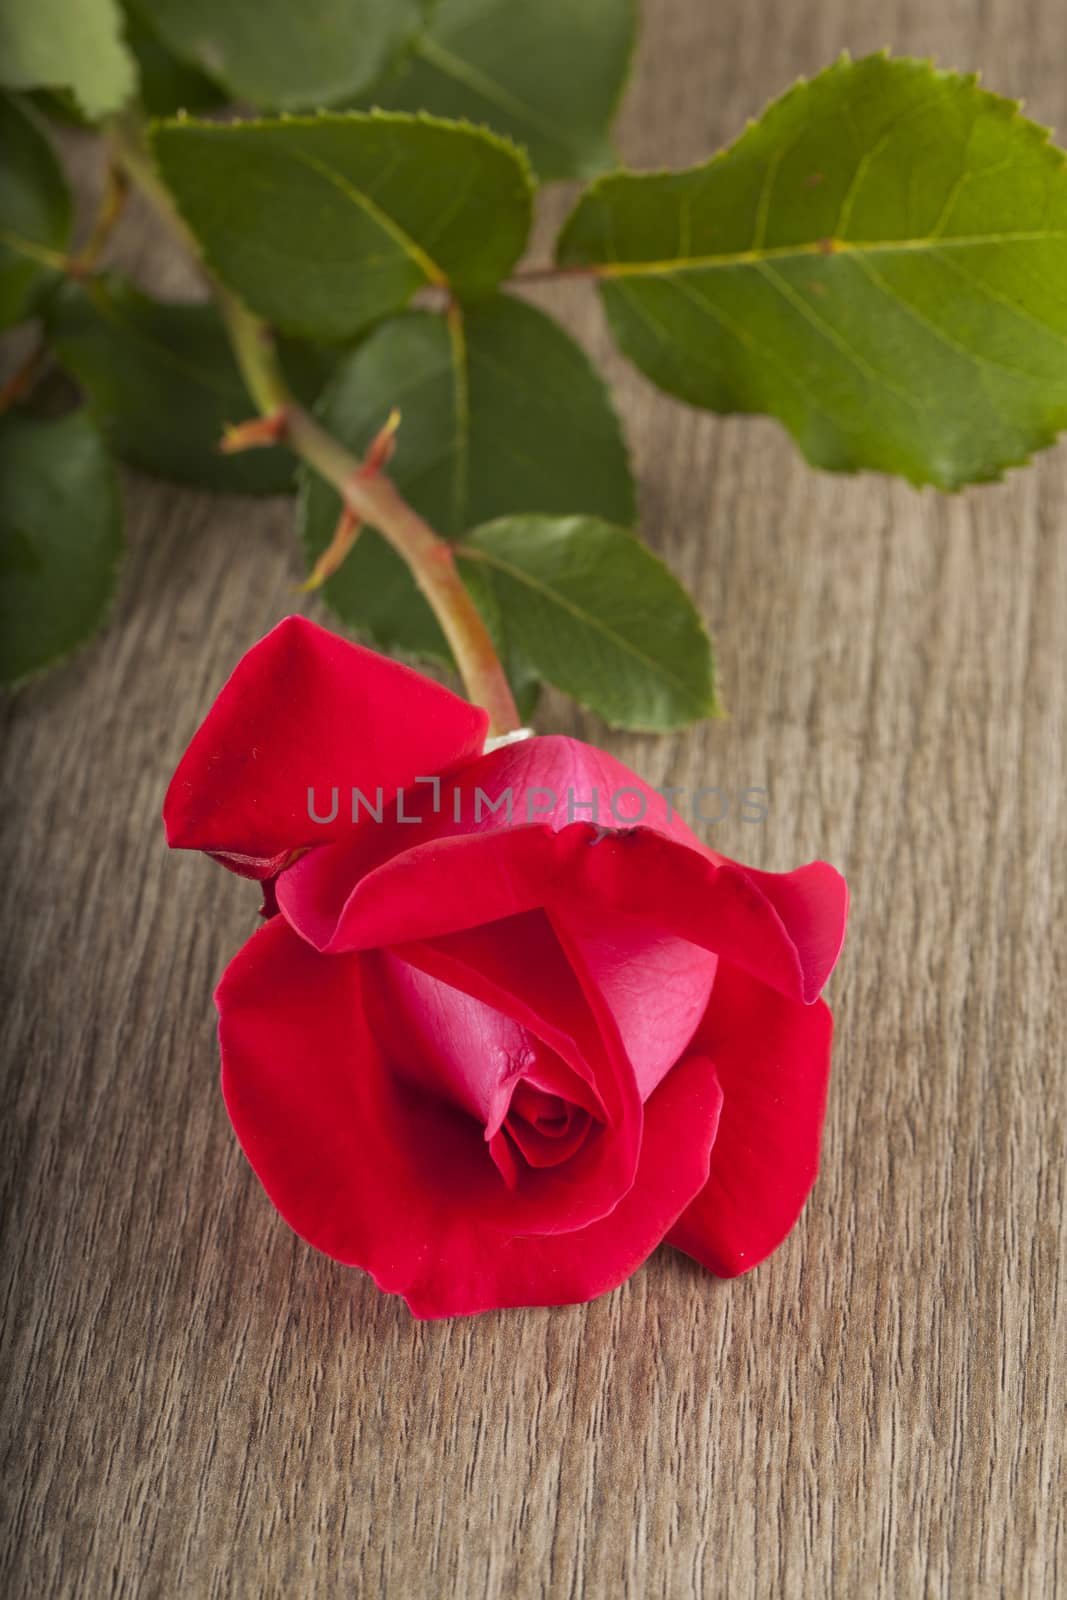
(195, 1404)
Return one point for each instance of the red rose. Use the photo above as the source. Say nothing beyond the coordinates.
(496, 1061)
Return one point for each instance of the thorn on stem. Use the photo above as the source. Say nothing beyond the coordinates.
(347, 531)
(344, 537)
(256, 434)
(381, 448)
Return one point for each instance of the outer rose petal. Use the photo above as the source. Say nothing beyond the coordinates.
(350, 896)
(307, 710)
(393, 882)
(772, 1057)
(382, 1178)
(784, 928)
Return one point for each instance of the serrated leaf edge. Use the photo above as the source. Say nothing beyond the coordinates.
(1012, 110)
(505, 146)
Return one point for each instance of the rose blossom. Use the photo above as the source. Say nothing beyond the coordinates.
(497, 1063)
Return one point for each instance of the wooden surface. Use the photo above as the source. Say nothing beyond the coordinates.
(195, 1404)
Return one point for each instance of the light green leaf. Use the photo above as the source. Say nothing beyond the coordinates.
(35, 212)
(326, 224)
(60, 539)
(280, 56)
(548, 75)
(167, 85)
(68, 44)
(880, 262)
(162, 383)
(500, 412)
(599, 616)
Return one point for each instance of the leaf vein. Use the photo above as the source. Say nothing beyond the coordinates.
(414, 251)
(586, 618)
(939, 333)
(832, 334)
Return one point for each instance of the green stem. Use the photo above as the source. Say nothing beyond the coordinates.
(370, 496)
(374, 498)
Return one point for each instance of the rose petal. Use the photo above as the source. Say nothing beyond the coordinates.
(772, 1058)
(812, 905)
(448, 1043)
(367, 1168)
(654, 985)
(392, 882)
(517, 968)
(339, 901)
(305, 710)
(784, 928)
(546, 1128)
(681, 1119)
(377, 1175)
(353, 895)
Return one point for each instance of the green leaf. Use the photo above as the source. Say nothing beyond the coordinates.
(599, 616)
(548, 75)
(523, 679)
(879, 262)
(162, 383)
(326, 224)
(60, 539)
(168, 84)
(286, 57)
(35, 212)
(68, 44)
(500, 412)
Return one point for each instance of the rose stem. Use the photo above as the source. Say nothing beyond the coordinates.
(373, 498)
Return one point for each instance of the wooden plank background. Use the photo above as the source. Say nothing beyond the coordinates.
(195, 1404)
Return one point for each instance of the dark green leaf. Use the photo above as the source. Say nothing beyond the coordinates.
(167, 83)
(35, 212)
(68, 44)
(501, 412)
(326, 224)
(599, 616)
(524, 680)
(162, 383)
(280, 56)
(880, 262)
(58, 105)
(548, 75)
(60, 539)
